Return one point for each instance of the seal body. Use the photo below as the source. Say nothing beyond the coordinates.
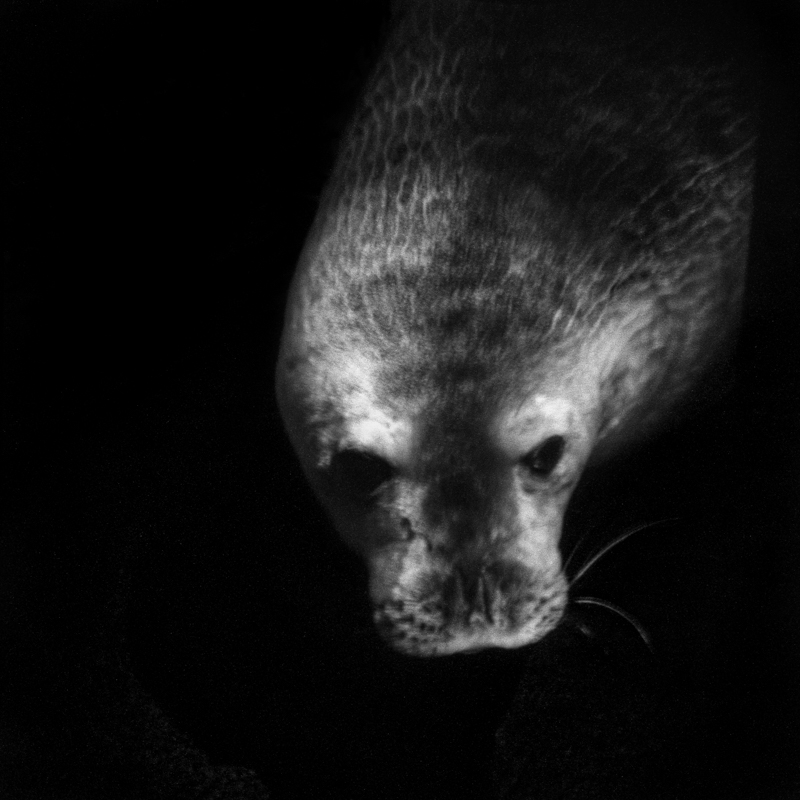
(530, 251)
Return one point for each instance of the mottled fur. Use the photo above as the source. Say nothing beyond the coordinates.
(530, 198)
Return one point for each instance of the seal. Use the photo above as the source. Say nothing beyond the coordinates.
(529, 254)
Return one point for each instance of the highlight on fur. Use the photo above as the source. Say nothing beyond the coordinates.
(530, 251)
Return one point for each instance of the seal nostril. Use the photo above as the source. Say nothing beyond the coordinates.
(479, 604)
(489, 593)
(459, 594)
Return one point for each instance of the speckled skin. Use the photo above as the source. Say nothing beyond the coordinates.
(537, 223)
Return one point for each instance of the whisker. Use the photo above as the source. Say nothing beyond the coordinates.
(581, 539)
(629, 618)
(611, 545)
(584, 629)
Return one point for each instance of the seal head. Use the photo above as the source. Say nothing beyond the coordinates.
(530, 250)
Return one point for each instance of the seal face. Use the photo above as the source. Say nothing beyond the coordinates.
(530, 250)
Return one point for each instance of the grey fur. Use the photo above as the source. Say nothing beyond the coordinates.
(517, 183)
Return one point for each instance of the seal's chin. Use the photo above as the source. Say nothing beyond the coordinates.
(438, 626)
(412, 641)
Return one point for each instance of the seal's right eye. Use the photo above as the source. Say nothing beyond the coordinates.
(360, 473)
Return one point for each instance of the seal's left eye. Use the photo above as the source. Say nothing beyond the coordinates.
(359, 472)
(542, 460)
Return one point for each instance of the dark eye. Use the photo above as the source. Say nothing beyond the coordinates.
(542, 460)
(360, 473)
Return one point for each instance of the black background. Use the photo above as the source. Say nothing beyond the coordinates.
(161, 167)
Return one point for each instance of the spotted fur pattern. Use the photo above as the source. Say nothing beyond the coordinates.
(537, 195)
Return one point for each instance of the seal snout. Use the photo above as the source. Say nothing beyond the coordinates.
(471, 605)
(473, 595)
